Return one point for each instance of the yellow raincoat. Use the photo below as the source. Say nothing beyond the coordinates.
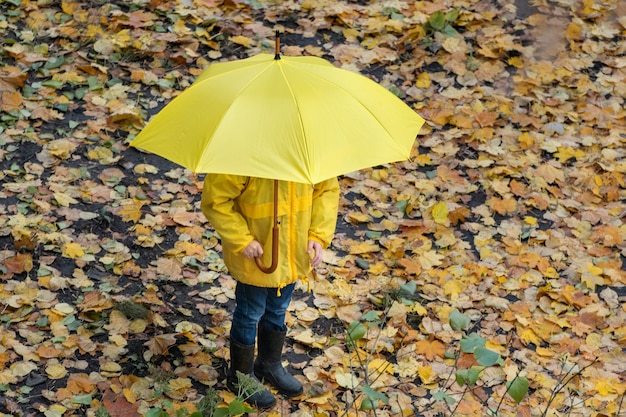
(241, 208)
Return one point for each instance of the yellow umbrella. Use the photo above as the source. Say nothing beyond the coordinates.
(297, 119)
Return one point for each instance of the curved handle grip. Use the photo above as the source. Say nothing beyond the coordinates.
(274, 264)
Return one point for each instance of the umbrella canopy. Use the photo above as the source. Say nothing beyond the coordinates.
(297, 119)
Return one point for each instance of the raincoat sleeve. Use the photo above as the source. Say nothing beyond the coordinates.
(219, 207)
(324, 211)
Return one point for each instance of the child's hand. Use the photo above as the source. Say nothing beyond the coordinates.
(253, 250)
(314, 249)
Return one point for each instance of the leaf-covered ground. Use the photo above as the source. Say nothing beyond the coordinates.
(511, 212)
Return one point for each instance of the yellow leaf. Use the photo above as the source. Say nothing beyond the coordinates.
(548, 353)
(242, 40)
(61, 148)
(550, 272)
(440, 212)
(423, 80)
(430, 259)
(426, 374)
(110, 369)
(56, 371)
(138, 326)
(423, 160)
(130, 395)
(321, 399)
(406, 366)
(100, 153)
(380, 366)
(605, 387)
(526, 140)
(452, 288)
(63, 199)
(358, 217)
(131, 211)
(308, 338)
(346, 380)
(418, 309)
(146, 168)
(529, 336)
(179, 383)
(72, 250)
(564, 154)
(529, 220)
(351, 34)
(591, 277)
(364, 247)
(22, 368)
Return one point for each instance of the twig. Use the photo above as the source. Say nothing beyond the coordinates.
(619, 407)
(563, 383)
(516, 376)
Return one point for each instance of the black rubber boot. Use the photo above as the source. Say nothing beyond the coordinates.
(268, 366)
(241, 359)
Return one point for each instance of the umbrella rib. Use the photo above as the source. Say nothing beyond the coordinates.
(240, 92)
(301, 124)
(340, 87)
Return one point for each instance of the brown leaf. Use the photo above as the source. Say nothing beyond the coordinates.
(430, 348)
(160, 344)
(118, 406)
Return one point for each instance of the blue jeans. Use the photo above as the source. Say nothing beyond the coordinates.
(258, 306)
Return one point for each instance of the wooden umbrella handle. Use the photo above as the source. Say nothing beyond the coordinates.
(277, 46)
(274, 264)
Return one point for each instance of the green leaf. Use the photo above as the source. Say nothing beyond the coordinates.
(470, 342)
(221, 412)
(52, 84)
(356, 330)
(368, 404)
(437, 20)
(458, 320)
(402, 205)
(155, 412)
(468, 376)
(371, 316)
(84, 399)
(373, 398)
(375, 395)
(236, 408)
(452, 15)
(362, 263)
(442, 396)
(518, 388)
(54, 62)
(449, 30)
(409, 288)
(486, 357)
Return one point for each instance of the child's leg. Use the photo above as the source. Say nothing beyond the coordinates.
(272, 332)
(250, 307)
(276, 308)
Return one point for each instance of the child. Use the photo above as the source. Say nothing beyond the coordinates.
(241, 210)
